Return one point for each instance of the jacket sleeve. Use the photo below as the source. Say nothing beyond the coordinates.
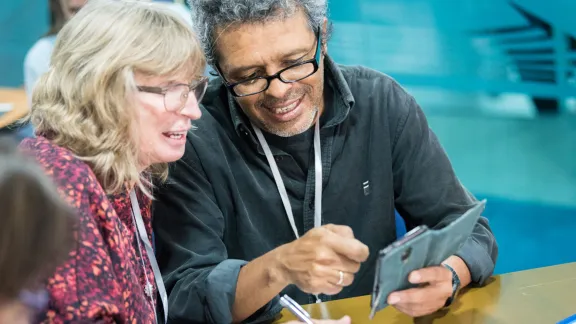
(189, 227)
(426, 188)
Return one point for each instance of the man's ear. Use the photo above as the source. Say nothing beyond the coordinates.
(325, 36)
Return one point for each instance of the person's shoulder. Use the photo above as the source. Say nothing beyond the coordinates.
(72, 176)
(40, 51)
(362, 72)
(42, 46)
(378, 96)
(364, 79)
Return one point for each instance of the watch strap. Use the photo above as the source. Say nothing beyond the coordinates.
(455, 285)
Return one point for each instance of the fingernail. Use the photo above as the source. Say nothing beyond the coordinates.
(394, 299)
(415, 277)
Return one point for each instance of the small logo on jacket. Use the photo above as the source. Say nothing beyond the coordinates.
(366, 186)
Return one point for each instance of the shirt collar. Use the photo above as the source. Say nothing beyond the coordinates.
(336, 109)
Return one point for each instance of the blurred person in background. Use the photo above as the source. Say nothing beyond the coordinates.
(37, 59)
(36, 63)
(115, 106)
(36, 228)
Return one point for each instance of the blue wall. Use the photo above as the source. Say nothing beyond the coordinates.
(22, 22)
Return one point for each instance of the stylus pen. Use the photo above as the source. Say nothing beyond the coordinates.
(375, 304)
(295, 309)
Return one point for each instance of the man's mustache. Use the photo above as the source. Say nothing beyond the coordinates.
(271, 101)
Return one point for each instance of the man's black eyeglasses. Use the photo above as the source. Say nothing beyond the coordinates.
(291, 74)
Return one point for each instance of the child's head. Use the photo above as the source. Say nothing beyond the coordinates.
(36, 233)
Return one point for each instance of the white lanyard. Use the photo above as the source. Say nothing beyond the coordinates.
(144, 237)
(280, 183)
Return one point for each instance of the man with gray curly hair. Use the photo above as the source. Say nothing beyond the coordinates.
(290, 143)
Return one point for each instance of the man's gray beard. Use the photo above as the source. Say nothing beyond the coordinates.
(311, 116)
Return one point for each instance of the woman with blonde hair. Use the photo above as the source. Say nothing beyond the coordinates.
(123, 86)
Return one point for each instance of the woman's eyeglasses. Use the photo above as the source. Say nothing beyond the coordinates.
(176, 96)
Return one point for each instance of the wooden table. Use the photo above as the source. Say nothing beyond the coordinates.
(545, 295)
(16, 108)
(15, 96)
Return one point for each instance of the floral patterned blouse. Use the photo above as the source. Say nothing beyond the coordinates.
(103, 280)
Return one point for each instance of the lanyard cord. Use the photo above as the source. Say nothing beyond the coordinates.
(144, 237)
(282, 188)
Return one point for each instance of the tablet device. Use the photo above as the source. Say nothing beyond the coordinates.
(420, 248)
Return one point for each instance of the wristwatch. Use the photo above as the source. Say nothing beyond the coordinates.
(455, 285)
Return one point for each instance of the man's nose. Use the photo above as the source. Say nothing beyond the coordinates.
(278, 89)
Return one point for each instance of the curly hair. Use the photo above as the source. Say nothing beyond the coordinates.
(85, 102)
(209, 15)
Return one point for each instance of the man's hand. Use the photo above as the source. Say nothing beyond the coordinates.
(425, 300)
(436, 288)
(314, 262)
